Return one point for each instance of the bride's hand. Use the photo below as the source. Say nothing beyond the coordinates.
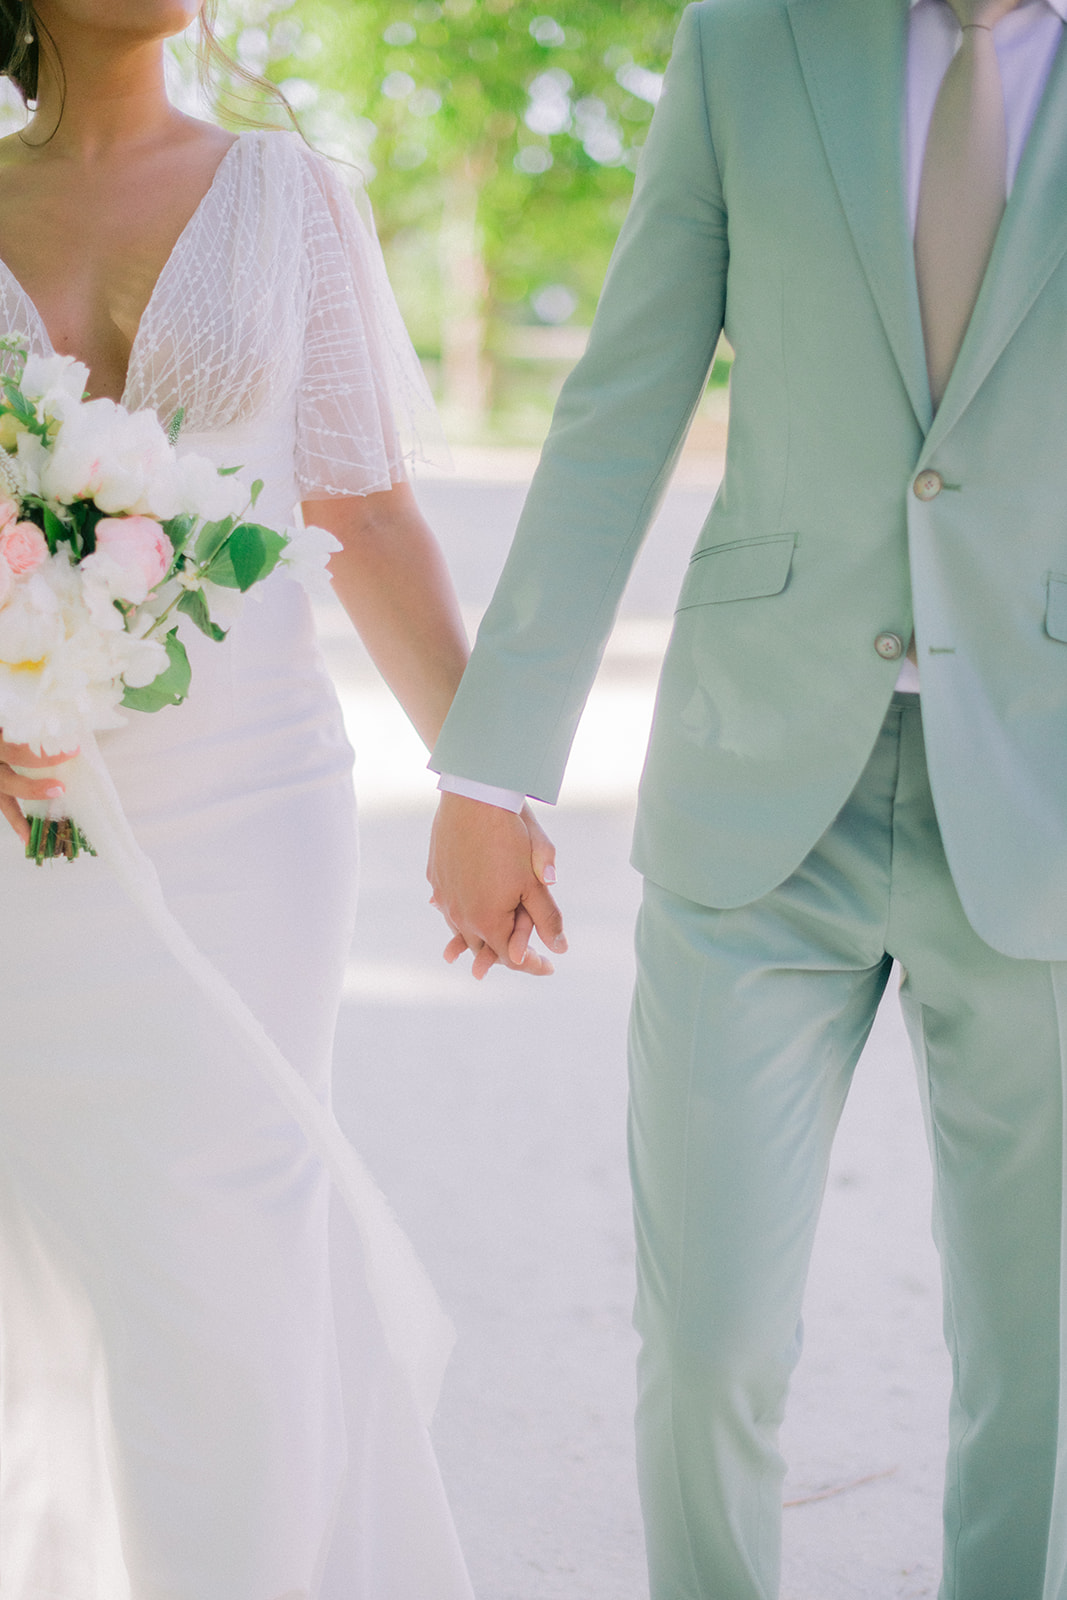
(14, 787)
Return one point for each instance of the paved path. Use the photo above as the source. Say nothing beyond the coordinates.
(494, 1118)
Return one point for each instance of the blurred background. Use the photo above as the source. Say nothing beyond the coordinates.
(497, 140)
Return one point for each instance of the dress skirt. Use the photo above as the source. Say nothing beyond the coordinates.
(196, 1398)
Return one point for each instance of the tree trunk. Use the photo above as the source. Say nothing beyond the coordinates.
(466, 372)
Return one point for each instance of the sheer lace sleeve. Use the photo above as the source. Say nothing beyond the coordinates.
(363, 405)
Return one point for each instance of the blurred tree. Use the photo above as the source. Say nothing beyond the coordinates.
(505, 130)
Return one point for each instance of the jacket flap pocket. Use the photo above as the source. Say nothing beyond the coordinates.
(1056, 610)
(744, 570)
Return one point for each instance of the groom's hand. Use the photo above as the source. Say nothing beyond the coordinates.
(488, 870)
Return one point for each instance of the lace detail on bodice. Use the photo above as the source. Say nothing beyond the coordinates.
(274, 302)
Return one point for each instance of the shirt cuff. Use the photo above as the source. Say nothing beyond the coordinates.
(470, 789)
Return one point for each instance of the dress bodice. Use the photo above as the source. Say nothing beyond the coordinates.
(274, 308)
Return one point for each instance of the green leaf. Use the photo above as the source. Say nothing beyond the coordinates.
(213, 536)
(84, 516)
(178, 529)
(55, 531)
(250, 553)
(172, 685)
(228, 472)
(194, 605)
(17, 401)
(257, 490)
(174, 427)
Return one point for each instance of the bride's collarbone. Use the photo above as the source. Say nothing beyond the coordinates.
(89, 254)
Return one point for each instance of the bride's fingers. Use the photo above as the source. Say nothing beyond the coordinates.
(16, 787)
(11, 814)
(20, 755)
(484, 960)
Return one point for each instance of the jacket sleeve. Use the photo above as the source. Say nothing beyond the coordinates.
(618, 428)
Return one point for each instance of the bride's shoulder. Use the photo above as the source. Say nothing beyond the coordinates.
(288, 153)
(294, 188)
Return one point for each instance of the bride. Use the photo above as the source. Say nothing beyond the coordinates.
(216, 1353)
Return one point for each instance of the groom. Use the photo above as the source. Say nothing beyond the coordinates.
(871, 198)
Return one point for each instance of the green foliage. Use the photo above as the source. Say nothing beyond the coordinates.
(212, 537)
(84, 516)
(540, 105)
(249, 554)
(172, 685)
(178, 529)
(195, 607)
(55, 531)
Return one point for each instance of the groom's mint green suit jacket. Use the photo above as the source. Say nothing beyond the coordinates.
(770, 201)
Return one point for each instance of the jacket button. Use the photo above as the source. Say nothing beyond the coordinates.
(928, 485)
(890, 646)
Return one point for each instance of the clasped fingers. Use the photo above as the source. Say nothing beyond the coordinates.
(487, 868)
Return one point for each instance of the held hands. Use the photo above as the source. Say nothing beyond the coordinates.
(14, 787)
(489, 870)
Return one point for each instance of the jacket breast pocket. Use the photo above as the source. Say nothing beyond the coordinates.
(1056, 607)
(746, 569)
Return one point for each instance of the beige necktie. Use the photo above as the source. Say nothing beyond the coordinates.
(963, 189)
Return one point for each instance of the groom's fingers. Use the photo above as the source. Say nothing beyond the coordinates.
(520, 957)
(547, 918)
(538, 913)
(542, 850)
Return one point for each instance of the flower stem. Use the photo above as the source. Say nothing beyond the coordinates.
(50, 839)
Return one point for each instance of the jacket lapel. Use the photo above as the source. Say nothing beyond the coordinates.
(852, 55)
(1030, 244)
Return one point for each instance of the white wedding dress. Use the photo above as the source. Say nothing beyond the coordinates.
(216, 1352)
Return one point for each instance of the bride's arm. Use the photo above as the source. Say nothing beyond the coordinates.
(391, 578)
(14, 787)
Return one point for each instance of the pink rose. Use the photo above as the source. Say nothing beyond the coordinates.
(137, 543)
(23, 546)
(7, 581)
(9, 512)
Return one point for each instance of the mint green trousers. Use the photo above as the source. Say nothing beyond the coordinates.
(746, 1027)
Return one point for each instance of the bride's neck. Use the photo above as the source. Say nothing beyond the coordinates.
(102, 97)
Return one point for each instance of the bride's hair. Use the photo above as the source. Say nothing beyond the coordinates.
(20, 35)
(23, 36)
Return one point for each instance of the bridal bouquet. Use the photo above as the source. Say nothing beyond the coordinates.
(106, 534)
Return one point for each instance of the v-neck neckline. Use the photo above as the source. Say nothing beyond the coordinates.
(164, 272)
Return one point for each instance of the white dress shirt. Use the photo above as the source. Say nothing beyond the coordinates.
(1026, 41)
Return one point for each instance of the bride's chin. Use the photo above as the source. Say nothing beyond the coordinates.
(144, 18)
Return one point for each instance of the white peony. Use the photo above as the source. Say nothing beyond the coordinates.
(224, 605)
(54, 383)
(144, 660)
(205, 492)
(65, 659)
(31, 625)
(29, 461)
(121, 460)
(104, 580)
(305, 558)
(58, 671)
(159, 600)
